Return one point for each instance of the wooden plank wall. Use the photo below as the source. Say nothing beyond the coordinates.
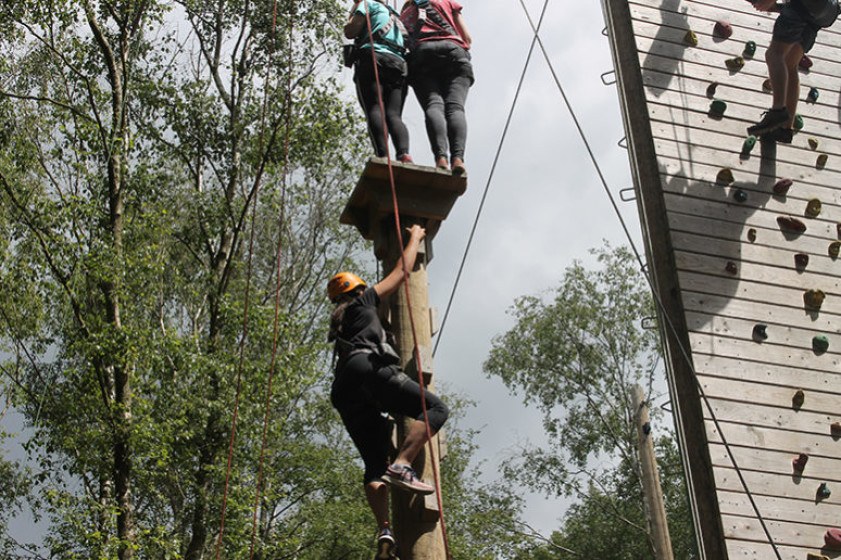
(731, 281)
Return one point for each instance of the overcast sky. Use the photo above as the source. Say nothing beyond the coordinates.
(545, 207)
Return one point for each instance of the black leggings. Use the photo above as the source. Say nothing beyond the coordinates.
(393, 87)
(362, 391)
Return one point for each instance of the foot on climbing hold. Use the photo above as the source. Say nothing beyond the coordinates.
(814, 143)
(781, 135)
(805, 62)
(749, 50)
(691, 38)
(820, 343)
(834, 249)
(787, 223)
(740, 196)
(752, 235)
(724, 177)
(748, 144)
(736, 63)
(723, 29)
(798, 399)
(782, 186)
(717, 108)
(832, 538)
(731, 267)
(813, 95)
(813, 299)
(799, 462)
(821, 161)
(823, 491)
(772, 119)
(813, 208)
(801, 260)
(760, 332)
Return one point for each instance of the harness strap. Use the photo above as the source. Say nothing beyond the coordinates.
(380, 34)
(426, 10)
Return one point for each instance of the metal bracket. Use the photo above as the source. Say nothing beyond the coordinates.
(605, 75)
(625, 198)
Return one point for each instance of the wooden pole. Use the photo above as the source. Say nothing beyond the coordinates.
(655, 507)
(416, 518)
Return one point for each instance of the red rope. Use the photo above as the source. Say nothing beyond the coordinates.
(416, 350)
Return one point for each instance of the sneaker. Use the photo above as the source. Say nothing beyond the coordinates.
(458, 167)
(404, 476)
(386, 546)
(772, 119)
(781, 135)
(441, 163)
(405, 158)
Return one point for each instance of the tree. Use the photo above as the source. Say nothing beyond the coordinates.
(577, 358)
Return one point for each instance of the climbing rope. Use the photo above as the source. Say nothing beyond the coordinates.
(661, 306)
(406, 287)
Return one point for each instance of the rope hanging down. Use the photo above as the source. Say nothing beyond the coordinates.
(399, 233)
(659, 302)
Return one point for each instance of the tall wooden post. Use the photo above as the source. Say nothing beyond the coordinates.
(655, 508)
(424, 196)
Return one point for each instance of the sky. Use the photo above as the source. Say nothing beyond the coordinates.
(545, 205)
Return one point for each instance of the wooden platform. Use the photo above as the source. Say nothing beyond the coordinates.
(722, 264)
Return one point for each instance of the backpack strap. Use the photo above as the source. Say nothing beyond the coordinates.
(380, 34)
(427, 10)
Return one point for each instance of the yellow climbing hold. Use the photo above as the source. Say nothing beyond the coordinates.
(813, 208)
(814, 143)
(691, 38)
(821, 162)
(725, 176)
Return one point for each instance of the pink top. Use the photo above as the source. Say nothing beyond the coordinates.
(430, 31)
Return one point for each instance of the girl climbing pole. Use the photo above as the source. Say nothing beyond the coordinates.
(369, 383)
(387, 81)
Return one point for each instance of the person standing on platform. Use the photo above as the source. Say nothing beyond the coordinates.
(441, 74)
(368, 383)
(389, 54)
(795, 30)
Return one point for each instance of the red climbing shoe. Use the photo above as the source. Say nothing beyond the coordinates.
(771, 120)
(404, 476)
(781, 135)
(458, 167)
(386, 547)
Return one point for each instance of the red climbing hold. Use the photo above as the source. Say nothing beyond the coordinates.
(723, 29)
(835, 429)
(799, 462)
(805, 62)
(787, 223)
(797, 401)
(782, 186)
(832, 538)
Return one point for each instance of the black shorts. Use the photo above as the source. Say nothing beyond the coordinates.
(794, 25)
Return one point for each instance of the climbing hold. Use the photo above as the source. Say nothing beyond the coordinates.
(832, 538)
(798, 399)
(740, 195)
(801, 260)
(691, 38)
(736, 63)
(646, 428)
(766, 84)
(749, 50)
(821, 162)
(823, 491)
(724, 176)
(805, 62)
(813, 208)
(834, 249)
(781, 187)
(814, 143)
(813, 556)
(813, 299)
(798, 122)
(813, 95)
(838, 230)
(799, 462)
(748, 144)
(820, 343)
(717, 108)
(723, 29)
(787, 223)
(759, 332)
(711, 90)
(731, 267)
(752, 235)
(835, 429)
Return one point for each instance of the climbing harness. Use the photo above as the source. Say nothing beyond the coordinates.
(351, 51)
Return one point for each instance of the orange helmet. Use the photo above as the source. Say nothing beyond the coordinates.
(343, 283)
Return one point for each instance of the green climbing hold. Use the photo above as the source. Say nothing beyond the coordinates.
(725, 177)
(759, 332)
(691, 38)
(834, 249)
(798, 122)
(823, 491)
(813, 299)
(798, 399)
(813, 95)
(748, 144)
(814, 143)
(820, 343)
(717, 108)
(813, 208)
(740, 195)
(821, 161)
(736, 63)
(750, 49)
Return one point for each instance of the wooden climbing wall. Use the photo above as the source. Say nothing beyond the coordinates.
(731, 273)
